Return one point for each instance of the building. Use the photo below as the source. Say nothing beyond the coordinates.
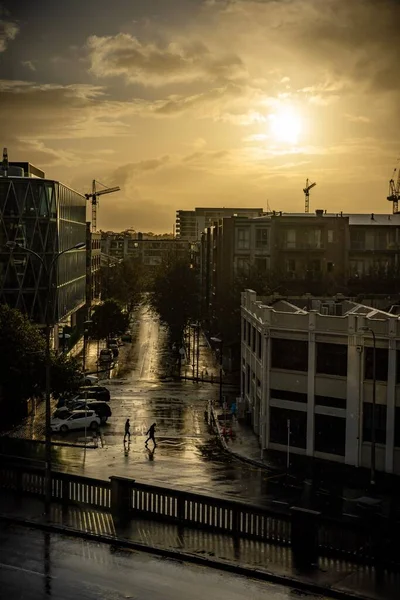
(151, 251)
(191, 223)
(307, 373)
(47, 218)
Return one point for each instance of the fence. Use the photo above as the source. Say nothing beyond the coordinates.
(354, 538)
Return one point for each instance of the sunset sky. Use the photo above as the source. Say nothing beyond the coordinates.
(188, 103)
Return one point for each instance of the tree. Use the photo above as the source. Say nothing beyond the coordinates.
(124, 282)
(23, 361)
(174, 295)
(108, 319)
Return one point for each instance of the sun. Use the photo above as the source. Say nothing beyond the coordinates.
(285, 125)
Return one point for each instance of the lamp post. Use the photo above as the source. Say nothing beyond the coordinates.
(218, 340)
(366, 330)
(48, 318)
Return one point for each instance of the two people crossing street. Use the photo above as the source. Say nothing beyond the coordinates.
(150, 433)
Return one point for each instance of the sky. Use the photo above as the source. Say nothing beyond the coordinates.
(186, 103)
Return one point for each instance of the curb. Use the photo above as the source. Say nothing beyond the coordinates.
(178, 555)
(245, 459)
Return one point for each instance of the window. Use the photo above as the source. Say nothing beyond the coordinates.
(244, 329)
(248, 379)
(331, 236)
(289, 395)
(397, 428)
(243, 264)
(291, 268)
(261, 238)
(259, 345)
(329, 401)
(314, 267)
(253, 339)
(357, 268)
(380, 423)
(289, 238)
(243, 239)
(289, 354)
(330, 434)
(313, 238)
(381, 363)
(330, 266)
(248, 333)
(282, 420)
(357, 239)
(261, 264)
(332, 359)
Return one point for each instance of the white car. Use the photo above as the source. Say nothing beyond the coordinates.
(76, 419)
(89, 379)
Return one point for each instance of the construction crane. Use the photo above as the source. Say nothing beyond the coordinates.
(94, 197)
(394, 191)
(306, 191)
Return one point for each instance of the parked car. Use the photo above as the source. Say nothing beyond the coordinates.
(89, 379)
(102, 409)
(76, 419)
(126, 337)
(95, 392)
(105, 356)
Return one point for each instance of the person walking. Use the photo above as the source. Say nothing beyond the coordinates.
(150, 433)
(127, 430)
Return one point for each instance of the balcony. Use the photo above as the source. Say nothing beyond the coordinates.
(297, 246)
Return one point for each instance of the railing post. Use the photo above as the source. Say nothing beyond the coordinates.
(65, 491)
(181, 509)
(304, 538)
(121, 497)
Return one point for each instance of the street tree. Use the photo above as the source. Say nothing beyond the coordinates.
(124, 282)
(23, 360)
(174, 295)
(108, 319)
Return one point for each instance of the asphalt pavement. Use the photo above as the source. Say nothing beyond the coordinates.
(37, 565)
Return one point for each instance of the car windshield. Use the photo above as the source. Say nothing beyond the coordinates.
(61, 414)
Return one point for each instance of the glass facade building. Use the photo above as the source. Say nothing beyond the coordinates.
(46, 217)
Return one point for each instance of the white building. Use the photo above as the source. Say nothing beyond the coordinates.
(309, 363)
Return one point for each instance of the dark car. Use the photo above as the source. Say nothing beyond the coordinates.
(102, 409)
(95, 392)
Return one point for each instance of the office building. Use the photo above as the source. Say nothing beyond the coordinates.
(191, 223)
(47, 218)
(149, 251)
(307, 378)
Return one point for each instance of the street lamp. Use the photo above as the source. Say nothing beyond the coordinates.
(48, 316)
(218, 340)
(369, 330)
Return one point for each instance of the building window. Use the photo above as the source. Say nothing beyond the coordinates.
(381, 363)
(329, 401)
(289, 354)
(248, 333)
(291, 268)
(253, 339)
(313, 238)
(357, 268)
(357, 239)
(380, 423)
(243, 265)
(261, 264)
(289, 238)
(261, 238)
(330, 434)
(330, 266)
(397, 428)
(243, 239)
(259, 345)
(332, 359)
(248, 379)
(244, 329)
(331, 236)
(281, 420)
(289, 395)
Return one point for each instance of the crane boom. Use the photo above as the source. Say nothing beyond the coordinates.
(306, 191)
(394, 191)
(93, 197)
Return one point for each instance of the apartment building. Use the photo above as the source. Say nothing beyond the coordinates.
(191, 223)
(151, 251)
(307, 378)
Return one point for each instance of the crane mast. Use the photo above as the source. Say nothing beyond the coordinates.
(306, 191)
(94, 195)
(394, 191)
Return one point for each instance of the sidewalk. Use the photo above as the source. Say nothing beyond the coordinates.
(335, 486)
(335, 578)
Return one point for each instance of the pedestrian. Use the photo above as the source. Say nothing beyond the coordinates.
(150, 433)
(127, 430)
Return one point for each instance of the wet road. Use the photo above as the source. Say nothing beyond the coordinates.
(187, 455)
(36, 565)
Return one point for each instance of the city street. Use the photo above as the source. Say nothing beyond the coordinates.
(187, 454)
(36, 565)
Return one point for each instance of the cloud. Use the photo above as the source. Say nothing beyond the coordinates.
(125, 174)
(156, 65)
(357, 118)
(8, 32)
(28, 64)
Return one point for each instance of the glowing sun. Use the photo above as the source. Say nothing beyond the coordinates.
(286, 126)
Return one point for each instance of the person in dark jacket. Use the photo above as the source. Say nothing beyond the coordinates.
(127, 430)
(151, 433)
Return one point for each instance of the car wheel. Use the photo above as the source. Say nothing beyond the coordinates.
(93, 425)
(63, 429)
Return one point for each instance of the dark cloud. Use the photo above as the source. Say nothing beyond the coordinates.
(155, 65)
(125, 174)
(8, 32)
